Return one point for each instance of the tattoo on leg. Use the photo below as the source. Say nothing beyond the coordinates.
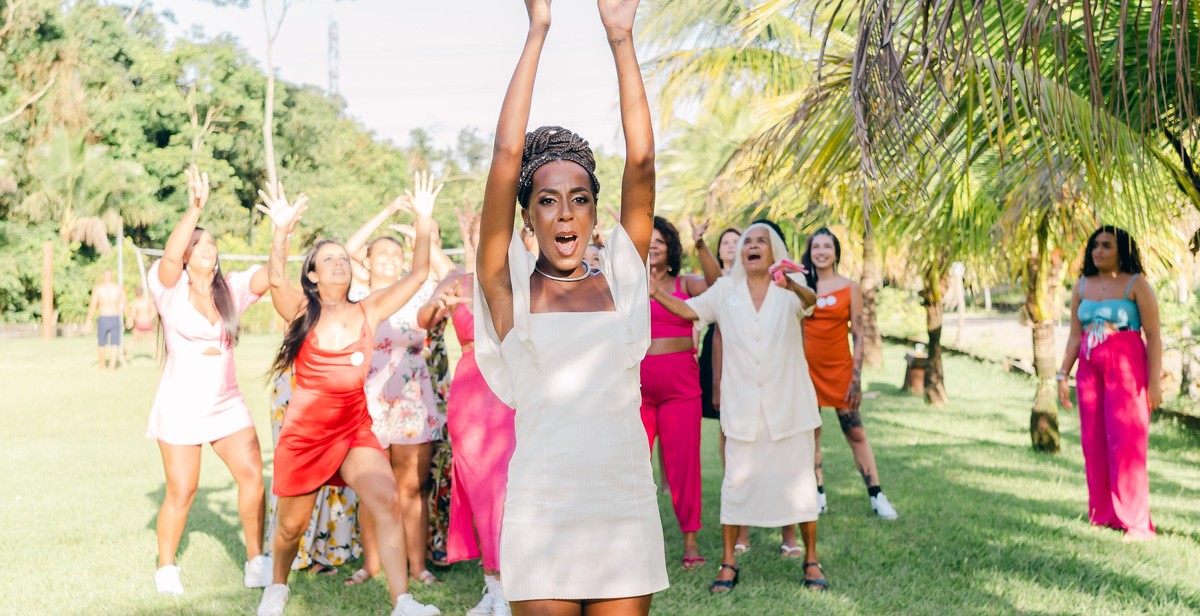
(820, 465)
(866, 475)
(850, 420)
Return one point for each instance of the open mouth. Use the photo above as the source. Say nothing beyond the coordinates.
(565, 243)
(754, 256)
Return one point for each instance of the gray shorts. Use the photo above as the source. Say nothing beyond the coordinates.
(108, 331)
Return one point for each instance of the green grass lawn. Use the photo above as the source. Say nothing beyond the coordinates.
(986, 526)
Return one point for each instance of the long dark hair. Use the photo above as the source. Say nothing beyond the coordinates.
(221, 294)
(806, 260)
(1129, 258)
(298, 330)
(721, 238)
(670, 236)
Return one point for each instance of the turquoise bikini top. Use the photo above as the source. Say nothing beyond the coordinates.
(1096, 315)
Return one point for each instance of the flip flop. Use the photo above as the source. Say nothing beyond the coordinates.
(427, 578)
(691, 563)
(791, 551)
(358, 577)
(739, 548)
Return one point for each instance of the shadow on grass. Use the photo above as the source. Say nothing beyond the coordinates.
(987, 527)
(207, 517)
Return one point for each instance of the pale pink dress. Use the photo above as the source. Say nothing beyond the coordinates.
(198, 399)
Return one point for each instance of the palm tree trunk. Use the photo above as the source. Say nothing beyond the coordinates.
(872, 339)
(931, 294)
(1043, 420)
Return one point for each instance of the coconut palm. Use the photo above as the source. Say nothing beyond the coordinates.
(89, 193)
(930, 95)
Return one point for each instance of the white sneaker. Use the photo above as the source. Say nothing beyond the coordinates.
(407, 606)
(167, 580)
(259, 572)
(485, 606)
(274, 599)
(821, 502)
(884, 508)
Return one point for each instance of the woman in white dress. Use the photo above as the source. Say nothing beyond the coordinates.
(562, 343)
(768, 405)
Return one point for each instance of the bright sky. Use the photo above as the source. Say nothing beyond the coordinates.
(442, 65)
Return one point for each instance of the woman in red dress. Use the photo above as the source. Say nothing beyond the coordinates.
(326, 438)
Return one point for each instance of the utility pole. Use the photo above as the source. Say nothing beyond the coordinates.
(334, 57)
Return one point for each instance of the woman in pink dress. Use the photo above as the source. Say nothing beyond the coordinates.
(481, 428)
(198, 400)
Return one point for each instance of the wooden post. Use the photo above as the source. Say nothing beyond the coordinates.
(49, 318)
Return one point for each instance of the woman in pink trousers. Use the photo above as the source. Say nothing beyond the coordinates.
(1117, 383)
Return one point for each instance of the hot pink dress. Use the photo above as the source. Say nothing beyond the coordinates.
(481, 428)
(198, 399)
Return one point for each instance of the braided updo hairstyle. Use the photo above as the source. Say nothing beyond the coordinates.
(550, 143)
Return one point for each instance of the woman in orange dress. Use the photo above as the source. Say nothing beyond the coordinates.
(836, 373)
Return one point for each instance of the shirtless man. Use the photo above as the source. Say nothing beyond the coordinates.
(108, 302)
(141, 316)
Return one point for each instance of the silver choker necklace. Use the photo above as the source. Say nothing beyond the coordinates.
(588, 272)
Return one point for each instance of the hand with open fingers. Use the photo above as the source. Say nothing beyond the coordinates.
(618, 14)
(1064, 394)
(197, 186)
(426, 194)
(403, 203)
(283, 215)
(539, 12)
(698, 229)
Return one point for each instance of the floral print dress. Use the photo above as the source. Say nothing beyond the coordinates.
(438, 360)
(399, 390)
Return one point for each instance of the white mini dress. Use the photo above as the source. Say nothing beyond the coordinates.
(581, 518)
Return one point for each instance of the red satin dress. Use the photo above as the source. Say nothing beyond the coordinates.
(326, 417)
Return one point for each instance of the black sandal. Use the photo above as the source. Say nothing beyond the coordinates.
(820, 584)
(724, 586)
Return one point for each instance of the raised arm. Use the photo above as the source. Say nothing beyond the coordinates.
(708, 262)
(637, 183)
(170, 268)
(469, 233)
(356, 246)
(287, 299)
(500, 195)
(1074, 339)
(385, 302)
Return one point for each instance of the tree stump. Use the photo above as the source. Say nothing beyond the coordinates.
(914, 374)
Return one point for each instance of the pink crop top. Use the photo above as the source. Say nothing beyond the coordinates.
(663, 324)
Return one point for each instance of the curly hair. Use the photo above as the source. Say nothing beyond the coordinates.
(670, 236)
(1129, 258)
(551, 143)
